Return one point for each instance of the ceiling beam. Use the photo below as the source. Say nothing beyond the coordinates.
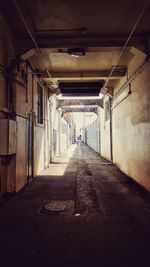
(24, 43)
(82, 102)
(73, 109)
(119, 72)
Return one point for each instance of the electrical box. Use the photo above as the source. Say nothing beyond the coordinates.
(7, 137)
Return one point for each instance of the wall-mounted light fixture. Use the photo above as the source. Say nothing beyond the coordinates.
(76, 52)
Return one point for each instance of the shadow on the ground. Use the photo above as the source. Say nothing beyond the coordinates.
(116, 234)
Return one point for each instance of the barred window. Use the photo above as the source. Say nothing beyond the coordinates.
(39, 104)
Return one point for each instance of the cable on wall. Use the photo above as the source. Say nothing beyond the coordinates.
(127, 41)
(32, 37)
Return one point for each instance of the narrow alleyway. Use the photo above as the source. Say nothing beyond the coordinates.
(105, 223)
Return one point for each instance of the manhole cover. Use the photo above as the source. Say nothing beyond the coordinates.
(57, 206)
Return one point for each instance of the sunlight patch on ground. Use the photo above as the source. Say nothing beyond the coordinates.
(60, 164)
(55, 170)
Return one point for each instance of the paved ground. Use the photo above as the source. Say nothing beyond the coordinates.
(107, 222)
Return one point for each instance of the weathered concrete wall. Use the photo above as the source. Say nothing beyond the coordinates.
(131, 130)
(130, 124)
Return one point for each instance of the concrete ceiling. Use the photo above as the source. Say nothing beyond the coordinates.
(107, 18)
(95, 65)
(93, 61)
(101, 27)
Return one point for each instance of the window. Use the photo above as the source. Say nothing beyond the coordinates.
(39, 104)
(107, 110)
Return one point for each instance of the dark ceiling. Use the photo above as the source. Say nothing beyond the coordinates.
(107, 18)
(51, 20)
(80, 88)
(100, 27)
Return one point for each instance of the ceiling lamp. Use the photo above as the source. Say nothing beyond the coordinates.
(76, 52)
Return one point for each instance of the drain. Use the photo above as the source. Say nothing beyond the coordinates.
(56, 206)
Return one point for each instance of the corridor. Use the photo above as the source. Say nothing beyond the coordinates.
(105, 220)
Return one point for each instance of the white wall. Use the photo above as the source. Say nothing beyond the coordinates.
(105, 132)
(60, 135)
(54, 118)
(41, 133)
(64, 135)
(93, 135)
(130, 125)
(21, 154)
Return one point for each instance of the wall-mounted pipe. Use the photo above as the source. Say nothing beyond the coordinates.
(7, 75)
(132, 77)
(129, 93)
(128, 83)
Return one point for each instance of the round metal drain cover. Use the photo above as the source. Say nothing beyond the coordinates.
(57, 206)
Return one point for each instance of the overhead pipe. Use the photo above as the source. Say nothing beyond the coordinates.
(127, 41)
(6, 74)
(133, 76)
(128, 82)
(32, 38)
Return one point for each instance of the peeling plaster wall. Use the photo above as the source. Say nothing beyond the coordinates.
(131, 130)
